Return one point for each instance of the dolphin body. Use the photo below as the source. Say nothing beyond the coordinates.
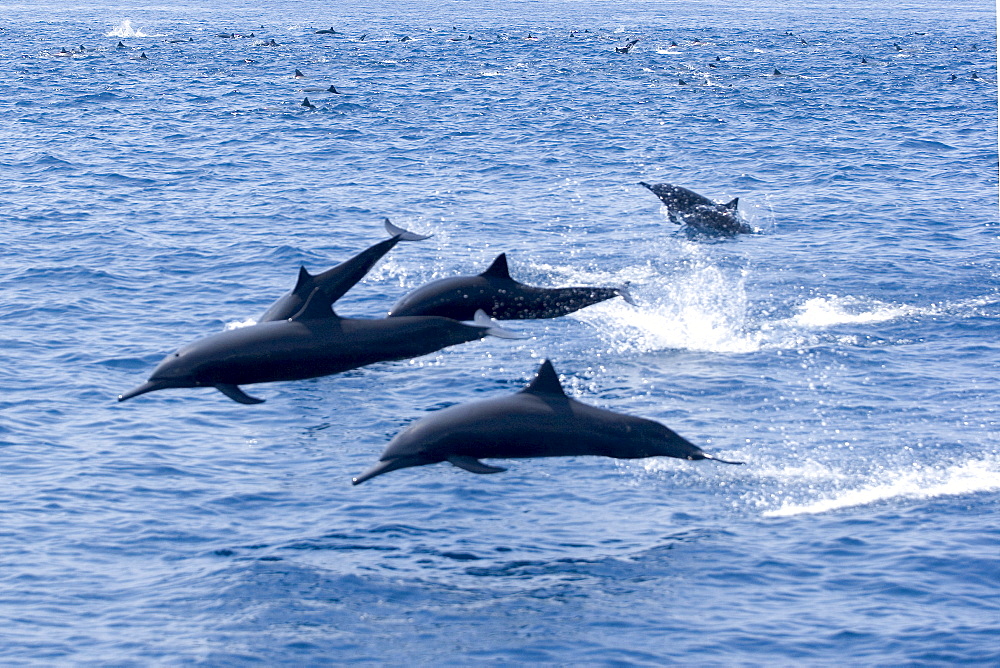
(334, 283)
(315, 342)
(538, 421)
(686, 207)
(495, 292)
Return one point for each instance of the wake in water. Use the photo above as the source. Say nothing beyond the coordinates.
(917, 482)
(706, 308)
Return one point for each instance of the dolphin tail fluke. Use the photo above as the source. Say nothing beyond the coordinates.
(482, 319)
(625, 293)
(236, 394)
(722, 461)
(404, 235)
(148, 386)
(386, 465)
(473, 465)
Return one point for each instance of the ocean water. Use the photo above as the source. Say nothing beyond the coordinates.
(849, 353)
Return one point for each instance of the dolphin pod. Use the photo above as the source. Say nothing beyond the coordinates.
(686, 207)
(495, 292)
(300, 336)
(539, 421)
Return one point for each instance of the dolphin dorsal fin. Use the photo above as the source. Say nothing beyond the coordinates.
(304, 280)
(732, 205)
(546, 381)
(498, 269)
(316, 307)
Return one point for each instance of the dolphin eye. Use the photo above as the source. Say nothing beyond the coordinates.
(177, 354)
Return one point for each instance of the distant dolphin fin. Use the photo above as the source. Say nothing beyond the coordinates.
(723, 461)
(732, 205)
(473, 465)
(498, 269)
(404, 235)
(317, 307)
(482, 319)
(546, 381)
(236, 394)
(303, 282)
(148, 386)
(625, 293)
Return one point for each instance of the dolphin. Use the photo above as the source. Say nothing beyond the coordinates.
(495, 292)
(538, 421)
(628, 46)
(334, 283)
(315, 342)
(698, 212)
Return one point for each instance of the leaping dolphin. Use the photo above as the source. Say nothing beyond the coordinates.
(686, 207)
(334, 283)
(315, 342)
(495, 292)
(538, 421)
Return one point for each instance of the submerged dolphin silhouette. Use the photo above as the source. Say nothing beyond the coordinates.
(315, 342)
(686, 207)
(334, 283)
(538, 421)
(495, 292)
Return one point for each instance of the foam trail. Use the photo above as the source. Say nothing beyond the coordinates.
(922, 483)
(831, 310)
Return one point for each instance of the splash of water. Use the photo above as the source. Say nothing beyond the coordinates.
(125, 29)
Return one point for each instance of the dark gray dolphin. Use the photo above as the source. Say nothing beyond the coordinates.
(686, 207)
(334, 283)
(495, 292)
(315, 342)
(538, 421)
(628, 46)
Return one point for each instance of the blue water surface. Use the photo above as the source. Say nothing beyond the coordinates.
(848, 354)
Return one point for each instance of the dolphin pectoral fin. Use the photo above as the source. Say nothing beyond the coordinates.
(723, 461)
(404, 235)
(473, 465)
(625, 293)
(482, 319)
(236, 394)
